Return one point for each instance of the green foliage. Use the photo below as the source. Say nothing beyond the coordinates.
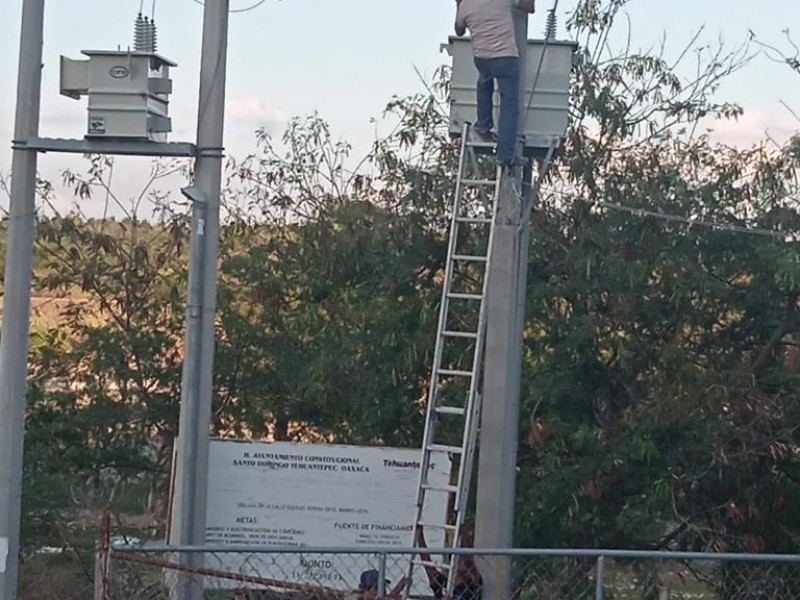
(659, 406)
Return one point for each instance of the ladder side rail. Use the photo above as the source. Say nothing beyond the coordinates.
(427, 438)
(442, 322)
(469, 441)
(480, 350)
(438, 351)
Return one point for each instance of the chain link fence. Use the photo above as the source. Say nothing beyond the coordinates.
(155, 573)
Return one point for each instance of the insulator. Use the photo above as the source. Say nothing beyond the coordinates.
(153, 37)
(146, 35)
(552, 24)
(149, 34)
(140, 34)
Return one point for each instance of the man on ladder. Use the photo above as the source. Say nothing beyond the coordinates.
(454, 399)
(491, 27)
(468, 582)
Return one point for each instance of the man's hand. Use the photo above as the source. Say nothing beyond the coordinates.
(461, 26)
(529, 6)
(398, 589)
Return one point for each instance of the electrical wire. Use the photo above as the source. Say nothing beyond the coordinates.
(204, 100)
(642, 212)
(539, 68)
(237, 10)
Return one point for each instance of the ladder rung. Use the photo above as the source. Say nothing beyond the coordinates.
(458, 296)
(437, 526)
(473, 220)
(480, 144)
(491, 182)
(472, 257)
(455, 372)
(428, 563)
(460, 334)
(443, 448)
(450, 410)
(450, 489)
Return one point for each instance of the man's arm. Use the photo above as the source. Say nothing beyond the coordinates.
(461, 22)
(529, 6)
(397, 590)
(430, 571)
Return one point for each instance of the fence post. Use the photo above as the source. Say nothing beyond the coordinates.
(109, 576)
(382, 575)
(102, 561)
(98, 573)
(599, 576)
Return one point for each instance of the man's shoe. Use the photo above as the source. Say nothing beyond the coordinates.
(485, 135)
(513, 163)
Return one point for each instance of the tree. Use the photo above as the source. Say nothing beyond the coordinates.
(105, 375)
(659, 409)
(331, 339)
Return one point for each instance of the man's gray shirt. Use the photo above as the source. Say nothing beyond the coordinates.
(490, 25)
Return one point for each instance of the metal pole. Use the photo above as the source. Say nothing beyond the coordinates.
(184, 513)
(189, 509)
(382, 575)
(17, 291)
(98, 573)
(497, 460)
(599, 576)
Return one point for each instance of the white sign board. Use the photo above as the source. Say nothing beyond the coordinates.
(309, 495)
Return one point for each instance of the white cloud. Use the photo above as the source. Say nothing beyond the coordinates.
(754, 126)
(254, 110)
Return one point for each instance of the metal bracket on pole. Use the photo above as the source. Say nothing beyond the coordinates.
(115, 147)
(211, 151)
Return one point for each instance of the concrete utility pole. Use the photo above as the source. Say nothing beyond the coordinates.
(497, 460)
(17, 294)
(189, 504)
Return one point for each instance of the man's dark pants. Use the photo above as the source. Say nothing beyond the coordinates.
(506, 71)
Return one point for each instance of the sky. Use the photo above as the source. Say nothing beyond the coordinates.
(346, 59)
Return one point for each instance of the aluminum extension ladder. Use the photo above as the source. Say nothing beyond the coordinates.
(454, 401)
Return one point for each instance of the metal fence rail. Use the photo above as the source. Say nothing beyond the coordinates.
(148, 573)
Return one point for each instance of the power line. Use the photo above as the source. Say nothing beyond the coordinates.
(691, 222)
(642, 212)
(551, 21)
(238, 10)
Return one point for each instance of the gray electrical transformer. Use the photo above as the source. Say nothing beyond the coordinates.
(128, 93)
